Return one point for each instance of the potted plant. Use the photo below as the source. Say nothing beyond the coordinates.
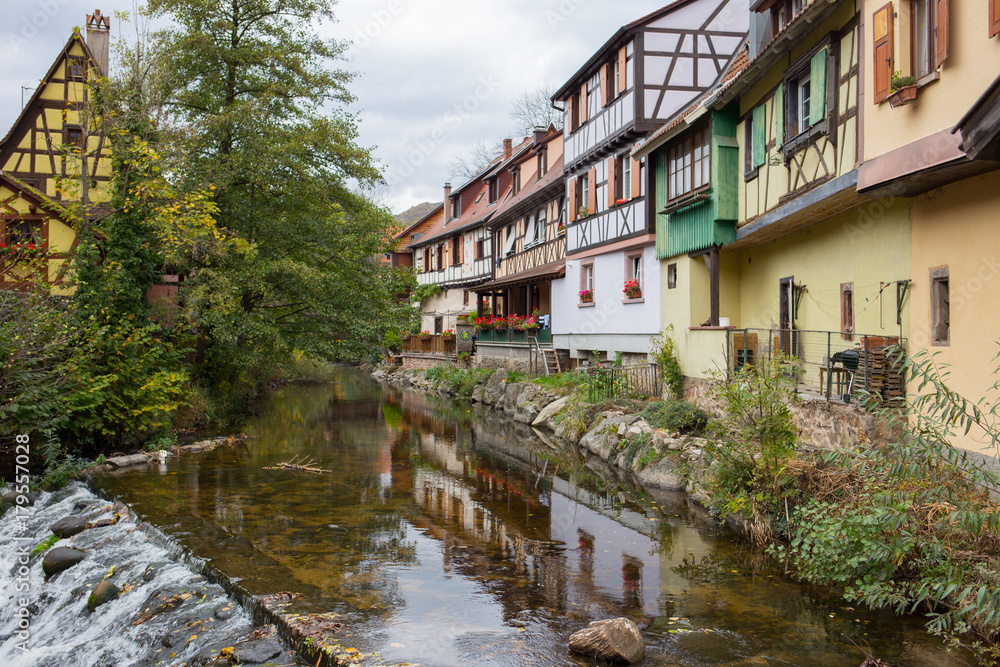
(632, 289)
(586, 296)
(425, 335)
(560, 229)
(583, 212)
(448, 334)
(404, 336)
(904, 90)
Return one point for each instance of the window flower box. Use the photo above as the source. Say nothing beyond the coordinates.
(425, 335)
(587, 296)
(903, 96)
(632, 290)
(448, 335)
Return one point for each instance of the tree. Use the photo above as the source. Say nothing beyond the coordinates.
(256, 111)
(484, 152)
(533, 108)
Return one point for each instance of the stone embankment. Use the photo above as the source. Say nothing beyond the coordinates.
(656, 457)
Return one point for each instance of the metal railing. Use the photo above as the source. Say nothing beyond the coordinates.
(642, 381)
(834, 364)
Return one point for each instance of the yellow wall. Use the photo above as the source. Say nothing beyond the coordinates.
(972, 64)
(59, 240)
(956, 226)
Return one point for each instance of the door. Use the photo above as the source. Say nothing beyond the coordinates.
(786, 315)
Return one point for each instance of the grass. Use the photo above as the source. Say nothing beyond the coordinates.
(45, 545)
(570, 380)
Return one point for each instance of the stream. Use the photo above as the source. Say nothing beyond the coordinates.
(438, 533)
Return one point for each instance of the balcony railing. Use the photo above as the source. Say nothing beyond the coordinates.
(836, 365)
(513, 336)
(433, 344)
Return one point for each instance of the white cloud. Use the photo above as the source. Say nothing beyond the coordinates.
(434, 77)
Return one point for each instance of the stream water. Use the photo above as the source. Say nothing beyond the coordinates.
(443, 534)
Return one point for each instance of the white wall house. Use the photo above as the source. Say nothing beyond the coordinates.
(646, 73)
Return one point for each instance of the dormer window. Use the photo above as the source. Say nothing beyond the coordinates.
(456, 207)
(543, 161)
(494, 189)
(516, 180)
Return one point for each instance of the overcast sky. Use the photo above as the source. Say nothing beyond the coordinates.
(433, 76)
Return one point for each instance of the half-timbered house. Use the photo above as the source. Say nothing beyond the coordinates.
(457, 255)
(529, 243)
(648, 71)
(56, 163)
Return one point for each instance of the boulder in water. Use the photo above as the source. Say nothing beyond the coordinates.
(615, 640)
(103, 592)
(61, 558)
(256, 651)
(68, 526)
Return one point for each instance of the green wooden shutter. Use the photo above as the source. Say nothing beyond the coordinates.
(817, 87)
(778, 111)
(759, 136)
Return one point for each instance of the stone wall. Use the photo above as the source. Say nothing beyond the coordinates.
(507, 363)
(424, 361)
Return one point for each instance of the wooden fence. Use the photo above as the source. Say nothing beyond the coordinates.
(433, 344)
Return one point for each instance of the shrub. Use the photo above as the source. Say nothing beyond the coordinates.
(663, 352)
(676, 416)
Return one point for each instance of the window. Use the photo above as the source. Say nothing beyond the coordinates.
(688, 164)
(882, 52)
(940, 307)
(24, 231)
(479, 249)
(613, 85)
(929, 26)
(427, 260)
(516, 180)
(626, 176)
(456, 251)
(508, 246)
(783, 11)
(76, 69)
(847, 311)
(540, 231)
(994, 24)
(543, 161)
(671, 276)
(587, 281)
(465, 297)
(440, 257)
(575, 112)
(494, 189)
(456, 207)
(805, 89)
(74, 136)
(438, 325)
(414, 237)
(529, 230)
(582, 195)
(633, 266)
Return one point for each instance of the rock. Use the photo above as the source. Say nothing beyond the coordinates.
(61, 558)
(528, 404)
(602, 438)
(614, 640)
(68, 526)
(103, 592)
(510, 396)
(495, 388)
(224, 613)
(548, 412)
(118, 461)
(477, 393)
(256, 651)
(150, 572)
(661, 474)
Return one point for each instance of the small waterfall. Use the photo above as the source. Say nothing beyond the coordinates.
(45, 624)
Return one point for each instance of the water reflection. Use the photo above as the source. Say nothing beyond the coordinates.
(445, 534)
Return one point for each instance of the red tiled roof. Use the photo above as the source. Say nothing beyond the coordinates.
(552, 180)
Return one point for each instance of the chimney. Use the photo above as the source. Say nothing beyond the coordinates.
(507, 149)
(447, 203)
(540, 134)
(98, 39)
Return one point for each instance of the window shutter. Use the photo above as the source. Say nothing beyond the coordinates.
(994, 18)
(612, 180)
(542, 225)
(941, 31)
(778, 112)
(461, 249)
(817, 87)
(509, 245)
(592, 191)
(636, 184)
(572, 199)
(604, 86)
(759, 136)
(623, 60)
(529, 230)
(882, 52)
(570, 114)
(584, 107)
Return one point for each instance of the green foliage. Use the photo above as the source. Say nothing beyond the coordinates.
(425, 291)
(392, 342)
(45, 545)
(753, 441)
(630, 448)
(664, 354)
(568, 380)
(914, 525)
(460, 381)
(675, 416)
(516, 376)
